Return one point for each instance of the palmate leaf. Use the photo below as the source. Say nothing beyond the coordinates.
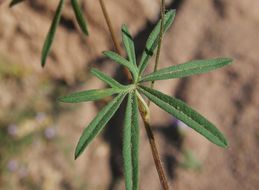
(15, 2)
(89, 95)
(129, 44)
(121, 60)
(107, 79)
(51, 33)
(79, 16)
(131, 143)
(187, 69)
(98, 123)
(153, 40)
(183, 112)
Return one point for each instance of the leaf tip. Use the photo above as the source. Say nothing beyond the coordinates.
(76, 155)
(60, 99)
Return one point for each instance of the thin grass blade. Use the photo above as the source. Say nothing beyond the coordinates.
(15, 2)
(98, 123)
(131, 143)
(121, 60)
(183, 112)
(187, 69)
(89, 95)
(107, 79)
(51, 33)
(79, 16)
(129, 44)
(153, 39)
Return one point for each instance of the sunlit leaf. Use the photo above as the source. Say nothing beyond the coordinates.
(107, 79)
(131, 143)
(79, 16)
(121, 60)
(183, 112)
(129, 44)
(51, 33)
(153, 39)
(187, 69)
(98, 123)
(89, 95)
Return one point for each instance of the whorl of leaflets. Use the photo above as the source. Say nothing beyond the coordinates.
(173, 106)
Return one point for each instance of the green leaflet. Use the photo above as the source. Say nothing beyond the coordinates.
(105, 78)
(79, 16)
(98, 123)
(15, 2)
(126, 148)
(121, 60)
(89, 95)
(152, 41)
(129, 44)
(131, 143)
(51, 33)
(187, 69)
(135, 142)
(186, 114)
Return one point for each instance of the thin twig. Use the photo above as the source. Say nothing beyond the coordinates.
(109, 24)
(157, 159)
(162, 13)
(114, 39)
(145, 119)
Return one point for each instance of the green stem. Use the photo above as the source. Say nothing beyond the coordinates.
(162, 13)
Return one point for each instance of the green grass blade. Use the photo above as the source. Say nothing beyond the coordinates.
(129, 44)
(187, 69)
(98, 123)
(107, 79)
(121, 60)
(183, 112)
(15, 2)
(89, 95)
(153, 39)
(51, 33)
(79, 16)
(131, 143)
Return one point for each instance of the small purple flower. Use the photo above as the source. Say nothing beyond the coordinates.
(50, 132)
(12, 165)
(12, 129)
(40, 117)
(178, 123)
(23, 172)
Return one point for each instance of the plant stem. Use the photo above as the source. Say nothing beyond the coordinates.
(155, 154)
(114, 39)
(109, 24)
(162, 13)
(144, 114)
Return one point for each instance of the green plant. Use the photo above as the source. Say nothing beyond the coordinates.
(51, 34)
(136, 103)
(134, 91)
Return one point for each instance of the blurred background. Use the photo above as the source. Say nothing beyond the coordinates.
(38, 135)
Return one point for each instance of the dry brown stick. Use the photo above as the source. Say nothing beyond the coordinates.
(109, 24)
(114, 39)
(146, 120)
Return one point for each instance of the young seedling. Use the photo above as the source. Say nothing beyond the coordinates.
(136, 103)
(51, 34)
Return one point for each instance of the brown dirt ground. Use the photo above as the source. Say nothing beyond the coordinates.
(202, 29)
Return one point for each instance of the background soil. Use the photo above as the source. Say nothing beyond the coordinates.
(38, 135)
